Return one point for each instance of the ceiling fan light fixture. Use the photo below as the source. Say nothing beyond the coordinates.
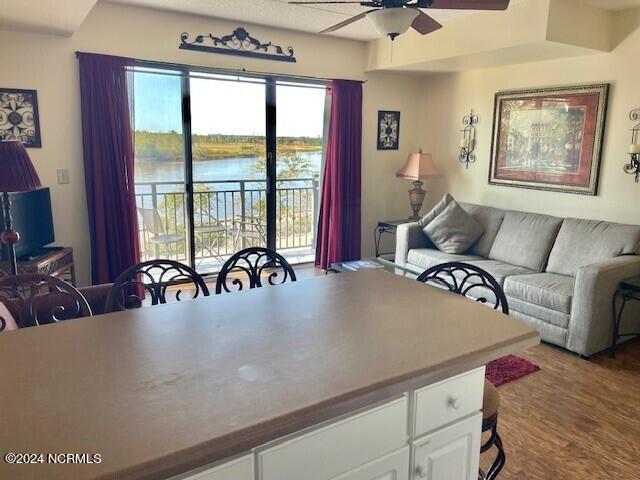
(392, 21)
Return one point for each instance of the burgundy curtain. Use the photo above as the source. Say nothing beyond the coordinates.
(108, 165)
(339, 222)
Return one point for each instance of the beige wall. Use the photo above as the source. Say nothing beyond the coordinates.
(47, 64)
(446, 98)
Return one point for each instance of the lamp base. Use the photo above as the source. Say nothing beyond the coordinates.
(416, 198)
(9, 236)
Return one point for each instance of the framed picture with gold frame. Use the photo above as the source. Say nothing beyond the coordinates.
(549, 138)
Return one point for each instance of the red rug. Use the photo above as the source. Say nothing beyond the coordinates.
(509, 368)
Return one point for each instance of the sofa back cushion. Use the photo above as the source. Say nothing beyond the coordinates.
(525, 239)
(490, 218)
(581, 242)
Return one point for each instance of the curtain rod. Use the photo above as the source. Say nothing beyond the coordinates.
(244, 71)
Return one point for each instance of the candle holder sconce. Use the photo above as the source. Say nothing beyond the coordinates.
(633, 167)
(468, 139)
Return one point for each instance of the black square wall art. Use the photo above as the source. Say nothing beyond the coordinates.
(19, 116)
(388, 130)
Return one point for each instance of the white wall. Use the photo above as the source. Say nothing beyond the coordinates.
(47, 63)
(446, 98)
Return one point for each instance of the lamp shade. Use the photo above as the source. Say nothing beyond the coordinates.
(16, 170)
(418, 166)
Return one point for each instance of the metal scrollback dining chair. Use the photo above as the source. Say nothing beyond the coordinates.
(478, 284)
(254, 267)
(34, 299)
(160, 280)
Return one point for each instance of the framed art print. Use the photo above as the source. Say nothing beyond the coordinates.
(19, 116)
(549, 139)
(388, 130)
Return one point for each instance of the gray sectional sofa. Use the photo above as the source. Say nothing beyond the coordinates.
(559, 274)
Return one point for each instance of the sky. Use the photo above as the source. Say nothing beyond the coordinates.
(225, 107)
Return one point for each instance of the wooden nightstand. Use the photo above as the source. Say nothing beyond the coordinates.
(57, 262)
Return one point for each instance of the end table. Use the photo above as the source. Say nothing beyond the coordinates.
(385, 226)
(627, 290)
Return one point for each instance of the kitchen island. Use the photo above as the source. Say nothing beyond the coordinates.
(348, 377)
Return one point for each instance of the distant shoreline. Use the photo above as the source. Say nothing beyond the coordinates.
(169, 146)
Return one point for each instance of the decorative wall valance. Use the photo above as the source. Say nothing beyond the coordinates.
(239, 43)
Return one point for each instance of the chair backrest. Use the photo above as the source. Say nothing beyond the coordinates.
(469, 281)
(159, 279)
(249, 265)
(40, 299)
(151, 221)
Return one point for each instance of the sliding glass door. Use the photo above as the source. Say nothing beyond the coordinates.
(160, 165)
(299, 128)
(229, 170)
(224, 163)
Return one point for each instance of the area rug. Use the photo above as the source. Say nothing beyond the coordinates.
(509, 368)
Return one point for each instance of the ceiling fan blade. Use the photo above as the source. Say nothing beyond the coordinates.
(424, 24)
(470, 4)
(349, 21)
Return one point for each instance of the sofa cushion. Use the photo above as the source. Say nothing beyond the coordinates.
(581, 242)
(454, 230)
(548, 290)
(500, 270)
(525, 239)
(544, 314)
(425, 258)
(490, 218)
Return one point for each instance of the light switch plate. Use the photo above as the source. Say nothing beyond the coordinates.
(63, 177)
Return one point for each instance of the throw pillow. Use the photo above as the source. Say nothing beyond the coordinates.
(435, 211)
(454, 230)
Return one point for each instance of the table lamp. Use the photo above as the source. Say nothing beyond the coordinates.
(18, 175)
(417, 167)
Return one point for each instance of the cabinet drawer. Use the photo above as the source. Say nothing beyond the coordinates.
(239, 469)
(337, 448)
(447, 401)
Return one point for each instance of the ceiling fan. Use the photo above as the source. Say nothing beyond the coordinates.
(394, 17)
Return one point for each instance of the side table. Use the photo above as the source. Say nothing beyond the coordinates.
(627, 290)
(57, 262)
(385, 226)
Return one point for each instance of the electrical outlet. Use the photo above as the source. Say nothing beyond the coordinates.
(63, 177)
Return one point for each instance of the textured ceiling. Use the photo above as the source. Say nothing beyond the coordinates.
(60, 17)
(278, 13)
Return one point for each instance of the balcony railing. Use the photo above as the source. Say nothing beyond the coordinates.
(228, 215)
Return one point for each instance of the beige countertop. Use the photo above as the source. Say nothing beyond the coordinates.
(165, 389)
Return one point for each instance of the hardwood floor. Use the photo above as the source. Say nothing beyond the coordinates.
(574, 419)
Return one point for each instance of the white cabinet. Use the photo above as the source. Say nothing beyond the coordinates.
(394, 466)
(239, 469)
(452, 453)
(340, 447)
(432, 433)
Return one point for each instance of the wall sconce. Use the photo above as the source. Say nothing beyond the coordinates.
(633, 167)
(468, 139)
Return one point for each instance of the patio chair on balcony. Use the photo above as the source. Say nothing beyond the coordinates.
(248, 232)
(155, 230)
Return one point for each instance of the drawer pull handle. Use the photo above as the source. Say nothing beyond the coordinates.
(454, 403)
(422, 472)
